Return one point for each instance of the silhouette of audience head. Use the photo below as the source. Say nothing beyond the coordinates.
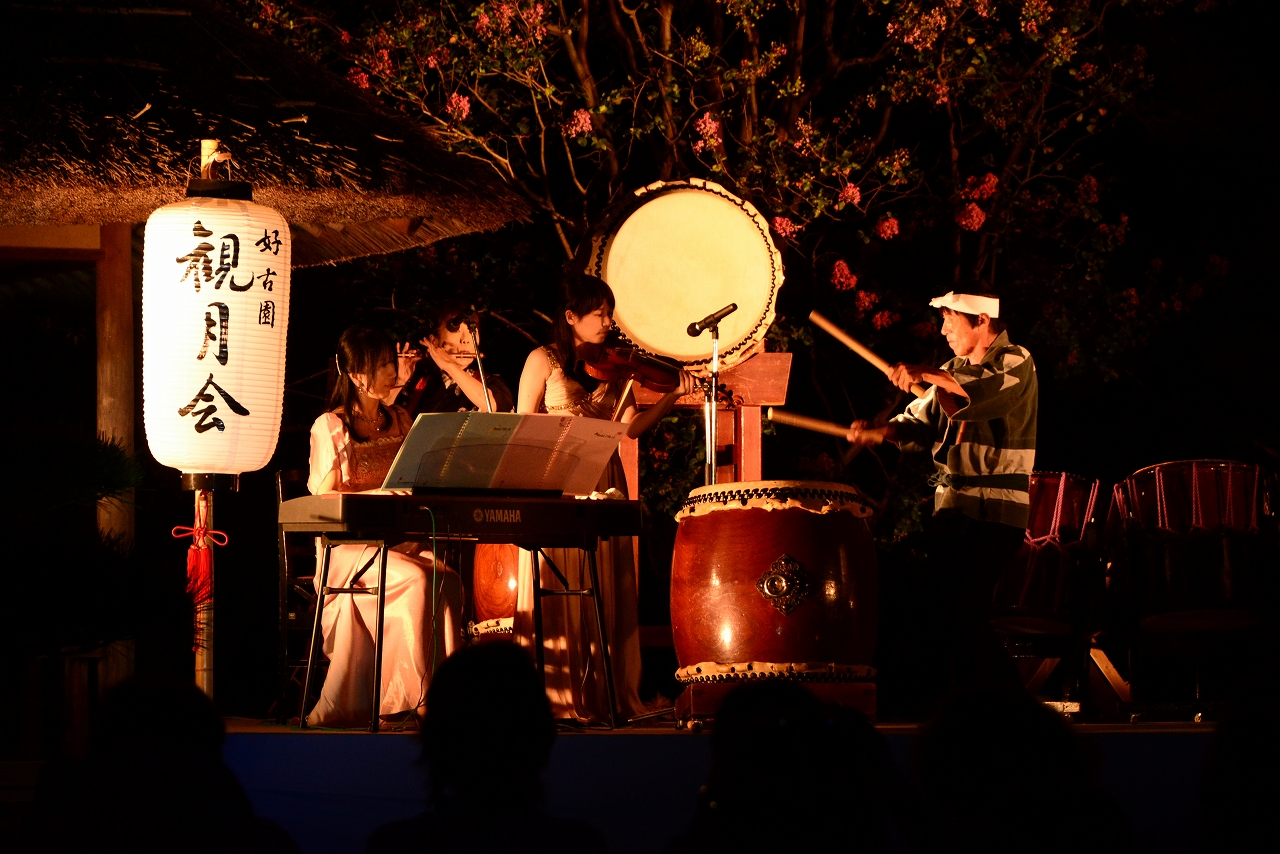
(486, 739)
(1003, 772)
(154, 781)
(488, 724)
(790, 772)
(1235, 802)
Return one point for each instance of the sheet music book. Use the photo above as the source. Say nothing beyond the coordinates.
(500, 450)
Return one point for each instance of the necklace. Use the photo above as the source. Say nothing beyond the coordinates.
(376, 420)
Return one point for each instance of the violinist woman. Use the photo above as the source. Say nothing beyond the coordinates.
(449, 380)
(555, 381)
(352, 448)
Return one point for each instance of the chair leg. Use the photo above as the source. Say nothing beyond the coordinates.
(604, 638)
(282, 619)
(377, 640)
(315, 634)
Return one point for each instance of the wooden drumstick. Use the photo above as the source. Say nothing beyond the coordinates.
(858, 347)
(805, 422)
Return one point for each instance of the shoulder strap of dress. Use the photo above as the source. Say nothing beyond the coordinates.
(551, 357)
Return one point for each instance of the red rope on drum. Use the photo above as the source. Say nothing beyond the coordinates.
(1253, 502)
(1197, 508)
(1162, 509)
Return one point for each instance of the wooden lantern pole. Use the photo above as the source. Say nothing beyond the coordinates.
(201, 585)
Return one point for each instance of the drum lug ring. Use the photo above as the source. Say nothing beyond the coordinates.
(785, 585)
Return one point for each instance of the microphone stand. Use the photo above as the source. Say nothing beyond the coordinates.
(475, 339)
(709, 406)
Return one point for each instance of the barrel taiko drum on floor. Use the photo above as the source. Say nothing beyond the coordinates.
(774, 579)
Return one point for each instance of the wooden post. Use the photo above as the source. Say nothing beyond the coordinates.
(747, 457)
(629, 451)
(204, 608)
(116, 362)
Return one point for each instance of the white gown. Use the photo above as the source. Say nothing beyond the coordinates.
(414, 643)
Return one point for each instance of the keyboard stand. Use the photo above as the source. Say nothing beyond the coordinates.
(592, 591)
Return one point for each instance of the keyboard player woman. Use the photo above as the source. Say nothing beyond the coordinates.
(554, 381)
(352, 448)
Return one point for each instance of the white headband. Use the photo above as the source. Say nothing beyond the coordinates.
(968, 304)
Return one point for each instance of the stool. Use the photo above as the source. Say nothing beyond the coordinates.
(593, 591)
(323, 591)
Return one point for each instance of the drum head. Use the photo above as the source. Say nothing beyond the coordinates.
(681, 251)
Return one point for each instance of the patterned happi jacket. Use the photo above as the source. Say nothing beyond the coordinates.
(984, 451)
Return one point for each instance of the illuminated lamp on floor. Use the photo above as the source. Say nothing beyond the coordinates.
(215, 313)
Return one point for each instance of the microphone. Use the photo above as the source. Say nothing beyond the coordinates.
(696, 329)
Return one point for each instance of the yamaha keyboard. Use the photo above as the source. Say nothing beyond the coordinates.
(496, 518)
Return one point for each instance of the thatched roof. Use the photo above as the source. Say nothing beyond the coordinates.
(104, 107)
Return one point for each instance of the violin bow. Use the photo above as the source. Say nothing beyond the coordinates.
(622, 399)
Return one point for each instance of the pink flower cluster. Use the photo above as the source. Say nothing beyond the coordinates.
(917, 29)
(458, 107)
(887, 228)
(1086, 70)
(924, 329)
(1035, 13)
(842, 277)
(381, 64)
(850, 195)
(438, 57)
(785, 227)
(885, 319)
(980, 190)
(971, 217)
(499, 23)
(358, 77)
(709, 129)
(866, 300)
(578, 124)
(1087, 190)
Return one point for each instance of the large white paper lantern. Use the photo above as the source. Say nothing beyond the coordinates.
(215, 310)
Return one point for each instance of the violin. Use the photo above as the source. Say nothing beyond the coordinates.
(631, 365)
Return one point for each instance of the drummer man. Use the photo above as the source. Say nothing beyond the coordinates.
(979, 420)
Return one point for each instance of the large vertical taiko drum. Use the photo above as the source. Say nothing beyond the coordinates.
(774, 579)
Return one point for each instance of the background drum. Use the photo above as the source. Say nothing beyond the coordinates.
(679, 251)
(774, 579)
(1194, 545)
(1045, 590)
(495, 570)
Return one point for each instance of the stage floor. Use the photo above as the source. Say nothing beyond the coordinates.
(331, 788)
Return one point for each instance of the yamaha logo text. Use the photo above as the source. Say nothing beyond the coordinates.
(491, 515)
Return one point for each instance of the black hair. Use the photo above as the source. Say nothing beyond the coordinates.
(580, 294)
(452, 312)
(361, 351)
